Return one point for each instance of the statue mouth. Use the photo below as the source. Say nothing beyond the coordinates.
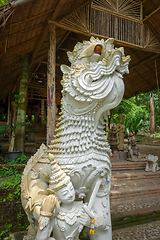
(119, 74)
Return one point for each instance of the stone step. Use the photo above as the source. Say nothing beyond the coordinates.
(134, 175)
(132, 193)
(135, 217)
(126, 165)
(134, 184)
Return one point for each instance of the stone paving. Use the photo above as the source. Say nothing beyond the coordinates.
(144, 231)
(130, 205)
(146, 200)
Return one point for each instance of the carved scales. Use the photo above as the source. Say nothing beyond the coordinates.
(89, 89)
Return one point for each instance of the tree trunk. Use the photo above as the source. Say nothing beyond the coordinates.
(12, 138)
(51, 103)
(22, 103)
(152, 115)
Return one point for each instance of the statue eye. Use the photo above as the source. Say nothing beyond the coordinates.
(65, 193)
(98, 49)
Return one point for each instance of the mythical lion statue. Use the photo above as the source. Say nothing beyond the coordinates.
(92, 85)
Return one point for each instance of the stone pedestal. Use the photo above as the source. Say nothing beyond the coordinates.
(119, 155)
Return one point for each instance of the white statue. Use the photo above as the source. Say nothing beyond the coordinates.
(152, 163)
(68, 219)
(92, 85)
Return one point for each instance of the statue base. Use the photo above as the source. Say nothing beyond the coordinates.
(119, 155)
(140, 158)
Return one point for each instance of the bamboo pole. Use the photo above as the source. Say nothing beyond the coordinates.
(51, 105)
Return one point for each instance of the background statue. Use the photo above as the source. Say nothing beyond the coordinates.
(152, 163)
(133, 151)
(92, 85)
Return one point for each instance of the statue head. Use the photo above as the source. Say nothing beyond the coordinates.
(66, 194)
(94, 79)
(60, 184)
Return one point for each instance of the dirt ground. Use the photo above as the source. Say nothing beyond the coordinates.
(149, 149)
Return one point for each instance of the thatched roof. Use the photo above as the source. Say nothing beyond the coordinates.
(24, 30)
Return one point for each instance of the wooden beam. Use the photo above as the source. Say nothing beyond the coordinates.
(63, 39)
(153, 48)
(64, 49)
(36, 87)
(37, 98)
(53, 17)
(143, 1)
(151, 14)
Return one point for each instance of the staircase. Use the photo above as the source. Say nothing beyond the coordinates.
(135, 201)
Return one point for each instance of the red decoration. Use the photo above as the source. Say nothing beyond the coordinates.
(98, 49)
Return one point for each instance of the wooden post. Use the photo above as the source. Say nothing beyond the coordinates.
(152, 122)
(51, 103)
(22, 103)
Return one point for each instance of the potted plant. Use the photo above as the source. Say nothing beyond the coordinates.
(12, 153)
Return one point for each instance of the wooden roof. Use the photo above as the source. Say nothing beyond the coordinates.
(24, 30)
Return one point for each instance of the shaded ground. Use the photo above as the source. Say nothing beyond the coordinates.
(149, 149)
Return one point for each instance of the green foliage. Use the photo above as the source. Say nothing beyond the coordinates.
(10, 196)
(3, 234)
(11, 169)
(157, 107)
(136, 125)
(135, 112)
(127, 125)
(12, 181)
(3, 2)
(19, 160)
(23, 159)
(5, 171)
(5, 127)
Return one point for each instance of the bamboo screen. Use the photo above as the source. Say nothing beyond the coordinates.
(128, 8)
(118, 19)
(116, 27)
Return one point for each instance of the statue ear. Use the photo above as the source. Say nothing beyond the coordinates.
(50, 191)
(65, 69)
(109, 44)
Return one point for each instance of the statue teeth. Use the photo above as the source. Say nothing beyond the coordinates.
(80, 149)
(76, 149)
